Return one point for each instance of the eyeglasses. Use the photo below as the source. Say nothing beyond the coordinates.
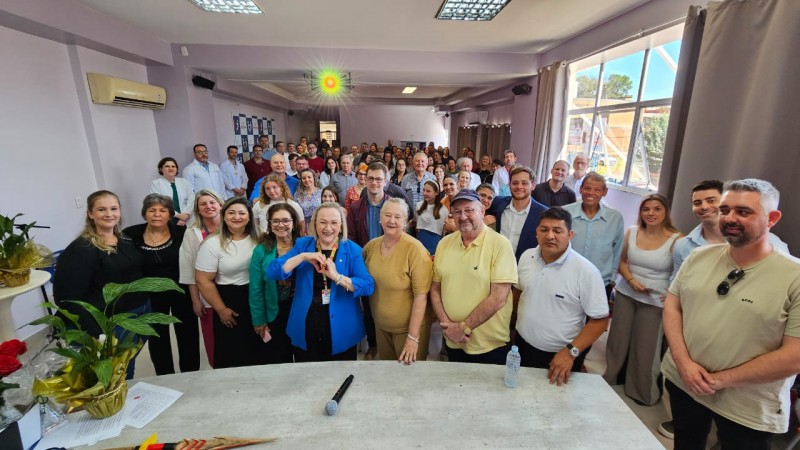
(374, 179)
(467, 211)
(732, 278)
(281, 221)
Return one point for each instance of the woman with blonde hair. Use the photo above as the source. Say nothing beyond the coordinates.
(326, 320)
(463, 180)
(635, 339)
(101, 254)
(308, 194)
(207, 205)
(274, 190)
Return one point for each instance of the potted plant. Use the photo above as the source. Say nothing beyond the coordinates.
(94, 374)
(19, 254)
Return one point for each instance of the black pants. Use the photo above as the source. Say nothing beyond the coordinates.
(186, 333)
(318, 339)
(693, 423)
(533, 357)
(240, 345)
(496, 356)
(369, 323)
(279, 349)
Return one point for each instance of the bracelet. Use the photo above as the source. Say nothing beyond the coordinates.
(628, 279)
(339, 280)
(413, 338)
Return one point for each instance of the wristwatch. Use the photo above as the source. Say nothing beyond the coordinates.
(573, 351)
(467, 330)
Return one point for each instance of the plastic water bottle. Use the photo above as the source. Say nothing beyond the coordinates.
(513, 362)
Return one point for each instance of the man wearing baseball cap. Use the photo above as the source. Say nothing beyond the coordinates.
(475, 316)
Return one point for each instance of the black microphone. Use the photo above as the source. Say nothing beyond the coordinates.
(333, 405)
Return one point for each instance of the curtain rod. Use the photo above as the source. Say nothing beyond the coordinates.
(641, 33)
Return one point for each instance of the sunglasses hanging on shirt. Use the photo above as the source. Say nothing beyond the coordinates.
(733, 277)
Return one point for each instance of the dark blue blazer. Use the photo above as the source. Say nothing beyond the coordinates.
(527, 238)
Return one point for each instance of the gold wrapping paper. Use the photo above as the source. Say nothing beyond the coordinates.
(72, 388)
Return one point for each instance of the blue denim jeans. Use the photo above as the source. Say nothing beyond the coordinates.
(121, 333)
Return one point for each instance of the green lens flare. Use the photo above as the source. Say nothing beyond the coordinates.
(330, 82)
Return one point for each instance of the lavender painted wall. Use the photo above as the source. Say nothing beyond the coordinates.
(523, 123)
(377, 123)
(300, 124)
(127, 145)
(57, 143)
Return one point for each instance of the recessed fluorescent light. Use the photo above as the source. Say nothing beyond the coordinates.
(228, 6)
(471, 10)
(409, 90)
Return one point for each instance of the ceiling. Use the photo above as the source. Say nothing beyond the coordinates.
(398, 28)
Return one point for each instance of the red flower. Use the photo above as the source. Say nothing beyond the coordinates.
(8, 365)
(13, 347)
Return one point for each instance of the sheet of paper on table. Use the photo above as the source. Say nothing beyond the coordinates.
(144, 403)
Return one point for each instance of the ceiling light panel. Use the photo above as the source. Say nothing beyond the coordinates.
(228, 6)
(470, 10)
(409, 90)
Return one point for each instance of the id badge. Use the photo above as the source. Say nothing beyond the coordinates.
(326, 296)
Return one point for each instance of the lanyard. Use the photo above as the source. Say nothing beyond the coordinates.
(333, 253)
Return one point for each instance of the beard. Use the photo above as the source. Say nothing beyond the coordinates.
(739, 239)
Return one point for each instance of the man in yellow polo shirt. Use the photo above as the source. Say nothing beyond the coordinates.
(471, 291)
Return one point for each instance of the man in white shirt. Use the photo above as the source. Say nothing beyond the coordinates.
(500, 179)
(557, 289)
(233, 174)
(203, 174)
(518, 215)
(465, 163)
(580, 165)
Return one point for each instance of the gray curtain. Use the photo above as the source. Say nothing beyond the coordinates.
(741, 101)
(497, 140)
(467, 137)
(548, 132)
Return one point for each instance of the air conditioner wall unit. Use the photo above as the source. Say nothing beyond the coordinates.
(108, 90)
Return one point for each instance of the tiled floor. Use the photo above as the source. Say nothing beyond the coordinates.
(651, 416)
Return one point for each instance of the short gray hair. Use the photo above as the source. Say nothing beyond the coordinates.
(770, 197)
(460, 160)
(400, 203)
(158, 199)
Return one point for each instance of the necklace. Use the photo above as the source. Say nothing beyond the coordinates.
(154, 239)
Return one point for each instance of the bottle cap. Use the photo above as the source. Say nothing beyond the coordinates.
(515, 349)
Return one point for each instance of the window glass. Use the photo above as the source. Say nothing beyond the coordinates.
(627, 150)
(621, 79)
(649, 147)
(578, 135)
(661, 69)
(585, 88)
(610, 143)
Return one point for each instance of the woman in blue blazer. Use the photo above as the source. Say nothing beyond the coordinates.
(326, 320)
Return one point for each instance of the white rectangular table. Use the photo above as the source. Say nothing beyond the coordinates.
(426, 405)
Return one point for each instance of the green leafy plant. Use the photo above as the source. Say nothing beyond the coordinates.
(12, 245)
(96, 362)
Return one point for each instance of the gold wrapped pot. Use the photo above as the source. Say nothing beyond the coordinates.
(108, 404)
(15, 277)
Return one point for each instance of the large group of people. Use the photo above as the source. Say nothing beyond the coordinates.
(296, 256)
